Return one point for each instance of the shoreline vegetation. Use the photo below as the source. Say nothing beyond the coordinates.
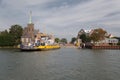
(12, 37)
(11, 47)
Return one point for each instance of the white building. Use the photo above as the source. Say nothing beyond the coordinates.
(108, 41)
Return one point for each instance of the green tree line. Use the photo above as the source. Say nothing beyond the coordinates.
(63, 40)
(12, 36)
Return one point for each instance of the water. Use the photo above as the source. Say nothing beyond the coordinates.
(61, 64)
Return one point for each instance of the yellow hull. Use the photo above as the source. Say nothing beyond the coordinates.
(48, 47)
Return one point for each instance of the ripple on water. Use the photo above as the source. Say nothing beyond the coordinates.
(62, 64)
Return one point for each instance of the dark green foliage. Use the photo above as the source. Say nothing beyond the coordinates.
(73, 40)
(64, 40)
(6, 40)
(16, 31)
(85, 38)
(4, 32)
(57, 40)
(12, 37)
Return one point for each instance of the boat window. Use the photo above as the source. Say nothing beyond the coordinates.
(43, 44)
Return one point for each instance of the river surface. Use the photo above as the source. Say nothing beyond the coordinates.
(61, 64)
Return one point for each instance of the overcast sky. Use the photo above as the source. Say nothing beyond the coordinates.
(63, 18)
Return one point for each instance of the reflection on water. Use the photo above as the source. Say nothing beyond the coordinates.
(61, 64)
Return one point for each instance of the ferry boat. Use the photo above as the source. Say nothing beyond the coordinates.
(34, 40)
(40, 48)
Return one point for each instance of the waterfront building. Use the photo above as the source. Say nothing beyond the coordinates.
(28, 34)
(107, 42)
(31, 35)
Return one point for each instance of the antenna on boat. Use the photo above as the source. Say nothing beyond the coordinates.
(45, 29)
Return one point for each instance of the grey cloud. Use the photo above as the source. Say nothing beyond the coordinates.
(59, 3)
(0, 1)
(66, 15)
(113, 14)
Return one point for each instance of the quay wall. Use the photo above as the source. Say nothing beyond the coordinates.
(105, 47)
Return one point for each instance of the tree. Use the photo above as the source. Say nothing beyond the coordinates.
(16, 32)
(6, 40)
(98, 34)
(12, 37)
(85, 38)
(4, 32)
(73, 40)
(57, 40)
(64, 40)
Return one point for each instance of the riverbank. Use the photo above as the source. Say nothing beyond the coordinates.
(10, 47)
(68, 46)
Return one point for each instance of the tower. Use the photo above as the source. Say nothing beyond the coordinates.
(30, 17)
(30, 26)
(28, 35)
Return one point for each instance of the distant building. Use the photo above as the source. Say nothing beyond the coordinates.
(28, 34)
(107, 41)
(31, 35)
(86, 32)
